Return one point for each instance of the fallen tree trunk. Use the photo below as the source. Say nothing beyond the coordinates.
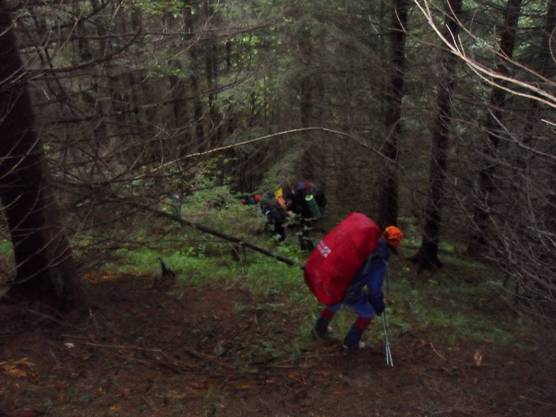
(224, 236)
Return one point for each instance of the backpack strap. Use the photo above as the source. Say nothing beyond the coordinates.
(357, 283)
(387, 279)
(370, 258)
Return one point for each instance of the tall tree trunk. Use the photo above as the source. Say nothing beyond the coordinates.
(545, 59)
(211, 62)
(533, 222)
(228, 46)
(534, 113)
(230, 122)
(388, 193)
(485, 201)
(43, 256)
(306, 105)
(189, 22)
(182, 139)
(427, 256)
(83, 46)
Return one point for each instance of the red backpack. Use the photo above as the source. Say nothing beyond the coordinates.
(339, 255)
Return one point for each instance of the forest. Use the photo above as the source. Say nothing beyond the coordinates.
(141, 141)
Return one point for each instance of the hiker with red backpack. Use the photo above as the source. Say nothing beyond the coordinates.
(348, 267)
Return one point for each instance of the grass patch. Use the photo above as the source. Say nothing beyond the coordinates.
(5, 248)
(454, 304)
(460, 302)
(189, 268)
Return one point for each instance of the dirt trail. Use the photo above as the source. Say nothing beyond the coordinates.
(204, 352)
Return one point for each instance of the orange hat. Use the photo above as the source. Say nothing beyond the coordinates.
(393, 235)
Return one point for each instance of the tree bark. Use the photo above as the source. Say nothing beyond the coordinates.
(427, 256)
(179, 107)
(189, 22)
(545, 57)
(306, 105)
(485, 201)
(388, 193)
(43, 255)
(211, 63)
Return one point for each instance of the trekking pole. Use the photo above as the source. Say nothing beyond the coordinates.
(388, 351)
(389, 348)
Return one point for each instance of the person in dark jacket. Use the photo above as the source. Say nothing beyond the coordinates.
(364, 295)
(305, 199)
(275, 215)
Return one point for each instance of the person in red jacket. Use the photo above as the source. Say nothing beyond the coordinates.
(364, 295)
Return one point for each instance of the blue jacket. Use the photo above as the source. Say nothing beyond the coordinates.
(371, 275)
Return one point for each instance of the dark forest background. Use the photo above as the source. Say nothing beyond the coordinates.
(435, 115)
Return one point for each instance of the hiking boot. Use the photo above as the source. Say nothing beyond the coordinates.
(352, 341)
(353, 348)
(322, 329)
(326, 336)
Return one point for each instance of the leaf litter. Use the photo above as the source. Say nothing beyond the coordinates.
(149, 353)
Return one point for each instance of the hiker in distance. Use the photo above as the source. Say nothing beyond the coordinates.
(275, 213)
(348, 267)
(307, 202)
(304, 198)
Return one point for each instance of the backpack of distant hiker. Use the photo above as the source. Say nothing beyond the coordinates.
(307, 200)
(333, 264)
(312, 206)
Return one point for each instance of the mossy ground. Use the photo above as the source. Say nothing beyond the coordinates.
(233, 338)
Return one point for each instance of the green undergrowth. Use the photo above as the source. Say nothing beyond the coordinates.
(198, 264)
(276, 287)
(5, 248)
(461, 302)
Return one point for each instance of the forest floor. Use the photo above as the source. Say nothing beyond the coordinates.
(205, 350)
